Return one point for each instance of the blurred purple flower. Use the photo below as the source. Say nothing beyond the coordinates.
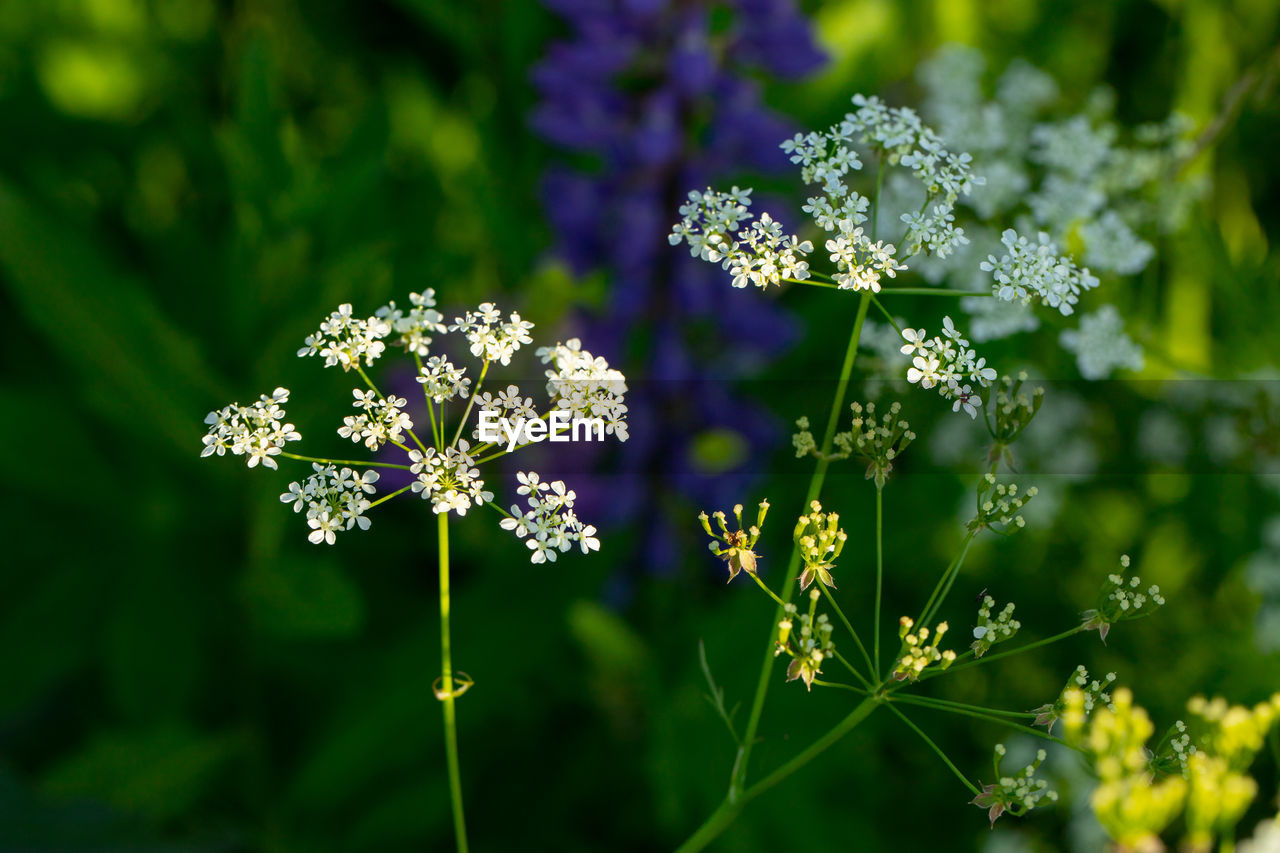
(655, 99)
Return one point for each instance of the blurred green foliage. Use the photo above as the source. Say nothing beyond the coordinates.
(187, 185)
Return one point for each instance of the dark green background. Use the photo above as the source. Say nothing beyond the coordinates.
(187, 187)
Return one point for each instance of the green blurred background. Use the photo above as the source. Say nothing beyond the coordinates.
(187, 186)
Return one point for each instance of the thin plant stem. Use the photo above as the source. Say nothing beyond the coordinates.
(967, 711)
(853, 670)
(386, 498)
(471, 401)
(362, 463)
(931, 291)
(848, 626)
(945, 760)
(793, 567)
(1010, 653)
(765, 587)
(875, 627)
(887, 315)
(729, 810)
(839, 686)
(446, 691)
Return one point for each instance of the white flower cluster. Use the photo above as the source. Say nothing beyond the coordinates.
(550, 525)
(1112, 245)
(993, 319)
(935, 233)
(382, 419)
(490, 337)
(947, 363)
(860, 262)
(443, 381)
(585, 386)
(343, 339)
(1073, 146)
(415, 326)
(450, 480)
(759, 253)
(1101, 345)
(1030, 270)
(990, 631)
(334, 499)
(920, 653)
(256, 431)
(505, 404)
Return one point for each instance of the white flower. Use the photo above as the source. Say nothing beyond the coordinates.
(344, 339)
(586, 386)
(257, 431)
(1035, 269)
(491, 339)
(383, 420)
(334, 500)
(550, 525)
(416, 326)
(443, 381)
(945, 362)
(1100, 344)
(449, 480)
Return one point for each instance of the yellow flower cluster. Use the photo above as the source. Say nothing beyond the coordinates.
(920, 653)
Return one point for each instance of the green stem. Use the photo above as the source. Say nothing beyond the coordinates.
(793, 567)
(931, 291)
(728, 810)
(471, 401)
(887, 315)
(853, 671)
(446, 689)
(361, 463)
(977, 713)
(765, 587)
(839, 686)
(394, 494)
(848, 626)
(945, 760)
(875, 640)
(991, 658)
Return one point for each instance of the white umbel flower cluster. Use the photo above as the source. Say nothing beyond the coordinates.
(382, 419)
(257, 431)
(585, 386)
(1100, 344)
(1120, 600)
(549, 526)
(492, 338)
(344, 339)
(946, 362)
(1031, 271)
(450, 480)
(860, 263)
(442, 380)
(759, 253)
(335, 499)
(415, 326)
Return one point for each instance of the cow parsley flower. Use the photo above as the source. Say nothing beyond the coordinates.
(449, 480)
(382, 419)
(947, 363)
(1073, 146)
(1100, 344)
(820, 540)
(491, 338)
(1076, 701)
(257, 431)
(1000, 505)
(415, 326)
(334, 500)
(344, 339)
(878, 442)
(549, 526)
(1110, 244)
(443, 381)
(1036, 270)
(860, 262)
(806, 638)
(585, 386)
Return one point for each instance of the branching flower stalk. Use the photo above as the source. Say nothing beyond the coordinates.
(718, 227)
(336, 497)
